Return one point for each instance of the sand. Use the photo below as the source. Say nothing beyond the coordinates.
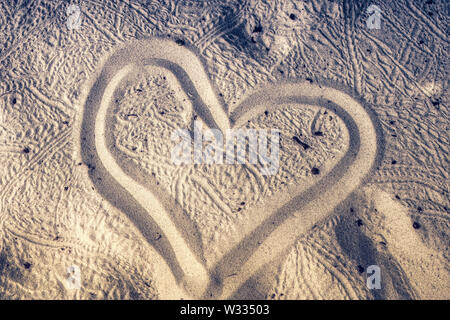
(88, 178)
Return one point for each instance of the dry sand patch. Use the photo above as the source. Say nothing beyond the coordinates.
(189, 221)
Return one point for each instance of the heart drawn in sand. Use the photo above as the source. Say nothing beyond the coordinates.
(216, 225)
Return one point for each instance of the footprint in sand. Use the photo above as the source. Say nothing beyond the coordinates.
(212, 221)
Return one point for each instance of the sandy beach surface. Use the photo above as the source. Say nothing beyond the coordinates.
(341, 193)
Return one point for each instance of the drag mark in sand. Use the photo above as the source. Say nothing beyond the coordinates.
(275, 225)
